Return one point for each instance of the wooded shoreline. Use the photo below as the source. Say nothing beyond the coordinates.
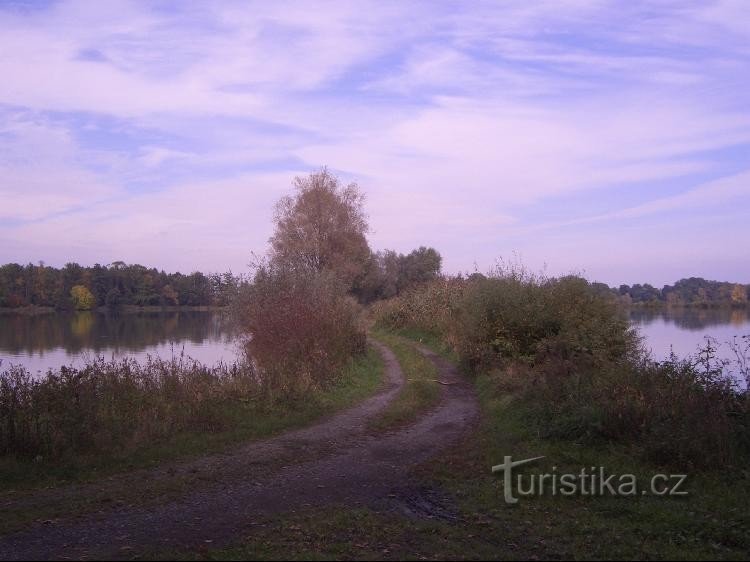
(128, 309)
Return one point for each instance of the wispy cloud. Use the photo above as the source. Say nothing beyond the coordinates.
(163, 132)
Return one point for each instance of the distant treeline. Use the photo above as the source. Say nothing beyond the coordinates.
(694, 291)
(384, 274)
(117, 284)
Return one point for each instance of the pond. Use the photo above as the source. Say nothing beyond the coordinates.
(684, 330)
(48, 341)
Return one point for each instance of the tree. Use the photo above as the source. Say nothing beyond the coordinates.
(43, 285)
(388, 273)
(739, 294)
(381, 277)
(420, 266)
(322, 228)
(169, 296)
(82, 298)
(113, 300)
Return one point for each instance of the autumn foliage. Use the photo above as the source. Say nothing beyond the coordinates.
(300, 323)
(301, 328)
(321, 228)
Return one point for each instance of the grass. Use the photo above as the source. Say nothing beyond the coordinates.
(356, 534)
(420, 391)
(713, 522)
(247, 420)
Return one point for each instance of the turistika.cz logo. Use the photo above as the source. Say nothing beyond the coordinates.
(590, 481)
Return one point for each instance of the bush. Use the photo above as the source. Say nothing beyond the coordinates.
(513, 315)
(567, 353)
(302, 328)
(431, 307)
(522, 317)
(679, 412)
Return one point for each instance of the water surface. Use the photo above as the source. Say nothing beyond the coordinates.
(684, 331)
(48, 341)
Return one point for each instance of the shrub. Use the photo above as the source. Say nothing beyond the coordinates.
(522, 317)
(679, 412)
(301, 326)
(569, 356)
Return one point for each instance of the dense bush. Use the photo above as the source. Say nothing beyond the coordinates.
(569, 355)
(430, 307)
(109, 406)
(675, 412)
(301, 328)
(523, 317)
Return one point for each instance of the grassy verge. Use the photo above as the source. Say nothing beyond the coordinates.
(420, 390)
(712, 522)
(245, 420)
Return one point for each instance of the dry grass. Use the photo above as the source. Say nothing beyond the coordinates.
(109, 416)
(115, 404)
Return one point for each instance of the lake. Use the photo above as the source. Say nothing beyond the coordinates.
(684, 330)
(51, 340)
(45, 341)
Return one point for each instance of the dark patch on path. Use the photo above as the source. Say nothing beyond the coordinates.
(336, 461)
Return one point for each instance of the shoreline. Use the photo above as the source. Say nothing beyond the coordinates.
(127, 308)
(667, 306)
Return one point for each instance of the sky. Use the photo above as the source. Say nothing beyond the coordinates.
(609, 139)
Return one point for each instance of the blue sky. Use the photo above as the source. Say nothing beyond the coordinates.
(606, 138)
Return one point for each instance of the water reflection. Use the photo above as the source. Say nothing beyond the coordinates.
(48, 341)
(684, 330)
(692, 319)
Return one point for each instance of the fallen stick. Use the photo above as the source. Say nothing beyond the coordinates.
(435, 380)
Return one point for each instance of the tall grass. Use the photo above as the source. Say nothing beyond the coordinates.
(431, 307)
(572, 361)
(115, 405)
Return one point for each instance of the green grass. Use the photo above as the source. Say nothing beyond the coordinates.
(428, 339)
(420, 391)
(713, 522)
(353, 534)
(249, 420)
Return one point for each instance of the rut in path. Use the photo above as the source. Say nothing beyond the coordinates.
(336, 461)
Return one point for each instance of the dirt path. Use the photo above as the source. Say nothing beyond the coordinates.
(335, 461)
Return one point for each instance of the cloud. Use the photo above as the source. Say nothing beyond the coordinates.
(168, 129)
(216, 224)
(39, 171)
(153, 156)
(705, 196)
